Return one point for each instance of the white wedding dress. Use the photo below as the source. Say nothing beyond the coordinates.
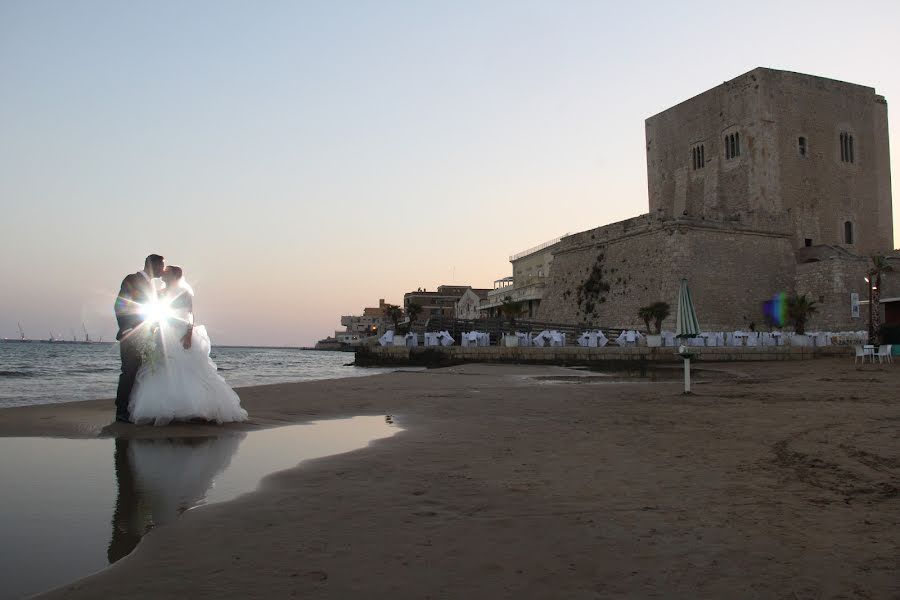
(182, 384)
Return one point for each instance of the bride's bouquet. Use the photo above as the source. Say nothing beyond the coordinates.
(150, 347)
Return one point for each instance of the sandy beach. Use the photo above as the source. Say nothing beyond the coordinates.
(774, 480)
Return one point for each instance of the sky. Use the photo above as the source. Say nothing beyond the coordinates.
(301, 160)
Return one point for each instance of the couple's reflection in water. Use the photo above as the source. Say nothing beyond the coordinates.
(158, 479)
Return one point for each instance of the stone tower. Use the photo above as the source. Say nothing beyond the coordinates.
(777, 151)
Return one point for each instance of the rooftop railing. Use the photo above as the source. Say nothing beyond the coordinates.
(538, 248)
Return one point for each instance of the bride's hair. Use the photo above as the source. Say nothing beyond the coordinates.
(176, 272)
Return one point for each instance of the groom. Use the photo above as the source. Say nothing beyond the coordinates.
(136, 290)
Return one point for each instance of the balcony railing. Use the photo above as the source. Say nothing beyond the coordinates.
(532, 288)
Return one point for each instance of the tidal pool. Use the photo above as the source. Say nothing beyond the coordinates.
(72, 507)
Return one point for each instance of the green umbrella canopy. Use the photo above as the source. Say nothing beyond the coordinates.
(687, 325)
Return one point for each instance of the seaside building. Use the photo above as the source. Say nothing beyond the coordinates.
(531, 270)
(772, 182)
(468, 305)
(440, 303)
(357, 328)
(371, 322)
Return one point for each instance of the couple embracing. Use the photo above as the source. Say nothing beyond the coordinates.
(167, 374)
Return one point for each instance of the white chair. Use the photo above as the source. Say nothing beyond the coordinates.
(445, 338)
(884, 354)
(752, 339)
(860, 354)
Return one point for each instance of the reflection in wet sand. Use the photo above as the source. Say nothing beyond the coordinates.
(158, 479)
(58, 494)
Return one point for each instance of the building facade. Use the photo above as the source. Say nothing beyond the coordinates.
(372, 322)
(439, 303)
(531, 271)
(468, 305)
(773, 182)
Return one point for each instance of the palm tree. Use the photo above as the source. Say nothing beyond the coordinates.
(394, 313)
(413, 311)
(799, 309)
(878, 268)
(656, 312)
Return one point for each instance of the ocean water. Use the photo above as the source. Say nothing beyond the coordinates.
(41, 373)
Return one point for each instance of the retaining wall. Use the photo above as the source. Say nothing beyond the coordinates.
(577, 356)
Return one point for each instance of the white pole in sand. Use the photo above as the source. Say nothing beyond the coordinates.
(683, 351)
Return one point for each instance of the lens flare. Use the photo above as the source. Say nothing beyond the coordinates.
(775, 310)
(157, 310)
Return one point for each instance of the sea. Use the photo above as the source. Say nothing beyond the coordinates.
(46, 373)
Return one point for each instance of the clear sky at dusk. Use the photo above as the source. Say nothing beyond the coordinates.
(301, 160)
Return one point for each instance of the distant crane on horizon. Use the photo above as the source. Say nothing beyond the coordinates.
(87, 336)
(21, 333)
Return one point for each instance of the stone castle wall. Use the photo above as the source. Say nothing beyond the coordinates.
(829, 282)
(819, 190)
(742, 228)
(603, 276)
(772, 185)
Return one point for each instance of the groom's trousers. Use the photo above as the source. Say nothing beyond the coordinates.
(131, 363)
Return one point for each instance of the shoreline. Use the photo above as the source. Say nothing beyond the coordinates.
(777, 480)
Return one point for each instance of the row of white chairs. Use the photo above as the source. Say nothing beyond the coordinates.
(883, 354)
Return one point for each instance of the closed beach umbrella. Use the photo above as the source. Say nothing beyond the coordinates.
(686, 325)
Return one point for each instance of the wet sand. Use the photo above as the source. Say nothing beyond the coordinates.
(775, 480)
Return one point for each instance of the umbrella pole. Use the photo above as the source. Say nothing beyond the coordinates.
(687, 375)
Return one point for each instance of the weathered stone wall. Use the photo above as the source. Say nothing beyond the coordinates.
(819, 190)
(603, 276)
(735, 189)
(830, 282)
(771, 186)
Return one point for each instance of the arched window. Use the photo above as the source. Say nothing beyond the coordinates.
(848, 232)
(737, 144)
(846, 141)
(727, 147)
(698, 157)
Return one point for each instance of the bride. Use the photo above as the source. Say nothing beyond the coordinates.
(178, 381)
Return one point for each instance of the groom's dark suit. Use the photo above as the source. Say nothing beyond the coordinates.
(136, 289)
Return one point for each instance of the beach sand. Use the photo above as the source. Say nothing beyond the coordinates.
(775, 480)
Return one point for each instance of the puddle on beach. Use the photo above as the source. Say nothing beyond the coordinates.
(72, 507)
